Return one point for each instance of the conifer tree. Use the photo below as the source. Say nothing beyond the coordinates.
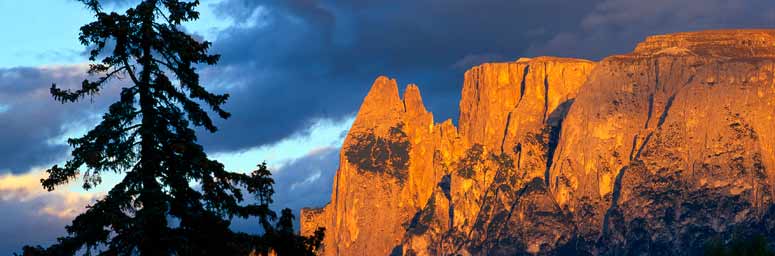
(148, 136)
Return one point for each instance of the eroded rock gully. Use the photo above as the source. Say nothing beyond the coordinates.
(651, 152)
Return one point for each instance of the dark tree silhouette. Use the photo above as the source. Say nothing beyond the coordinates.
(147, 135)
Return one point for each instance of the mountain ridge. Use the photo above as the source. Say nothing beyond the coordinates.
(558, 155)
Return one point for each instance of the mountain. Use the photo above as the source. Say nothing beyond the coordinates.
(657, 151)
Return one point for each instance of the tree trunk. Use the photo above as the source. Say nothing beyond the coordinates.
(152, 215)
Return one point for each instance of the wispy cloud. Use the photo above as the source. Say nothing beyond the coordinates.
(320, 136)
(302, 182)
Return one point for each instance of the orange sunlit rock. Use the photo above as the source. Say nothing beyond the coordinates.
(674, 140)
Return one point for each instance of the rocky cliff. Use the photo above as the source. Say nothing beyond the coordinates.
(656, 151)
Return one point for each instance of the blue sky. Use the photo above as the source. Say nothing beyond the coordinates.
(45, 32)
(40, 36)
(297, 71)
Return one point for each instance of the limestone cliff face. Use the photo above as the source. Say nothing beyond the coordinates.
(671, 144)
(397, 166)
(656, 152)
(386, 165)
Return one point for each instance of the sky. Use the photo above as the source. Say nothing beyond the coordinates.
(297, 71)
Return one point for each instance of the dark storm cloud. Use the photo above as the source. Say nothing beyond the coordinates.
(308, 59)
(32, 121)
(615, 26)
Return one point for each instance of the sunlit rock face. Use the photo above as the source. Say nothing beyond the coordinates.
(386, 172)
(672, 144)
(652, 152)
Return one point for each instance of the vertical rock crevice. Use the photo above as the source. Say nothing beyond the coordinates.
(522, 86)
(506, 131)
(666, 110)
(546, 92)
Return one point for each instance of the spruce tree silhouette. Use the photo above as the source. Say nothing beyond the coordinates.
(148, 136)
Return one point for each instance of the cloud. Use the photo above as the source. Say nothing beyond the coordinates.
(32, 216)
(615, 26)
(307, 181)
(311, 59)
(303, 182)
(33, 123)
(472, 60)
(323, 134)
(27, 188)
(290, 63)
